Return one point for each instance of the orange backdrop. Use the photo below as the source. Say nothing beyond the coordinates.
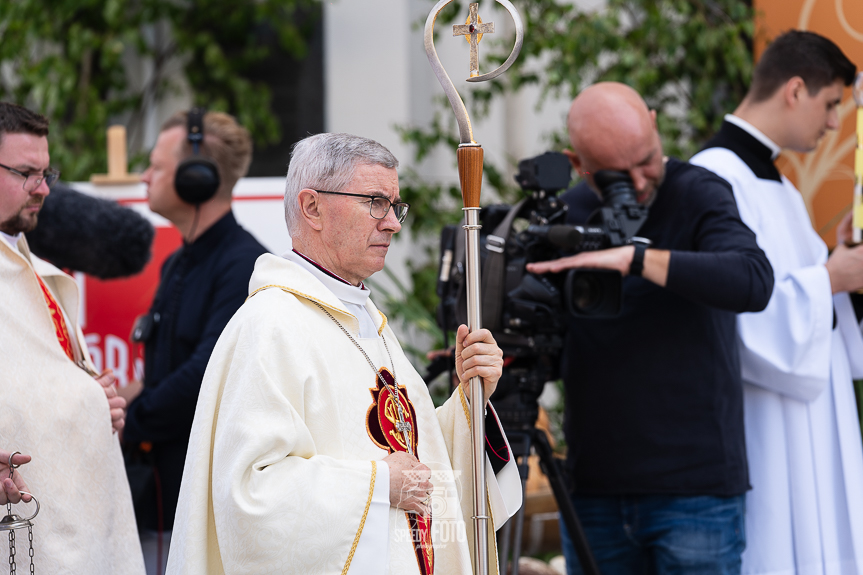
(826, 176)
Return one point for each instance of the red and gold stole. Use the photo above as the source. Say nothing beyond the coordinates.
(57, 317)
(381, 424)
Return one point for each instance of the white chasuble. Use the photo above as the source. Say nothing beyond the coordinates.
(804, 514)
(283, 473)
(53, 410)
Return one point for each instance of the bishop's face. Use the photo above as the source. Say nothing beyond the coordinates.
(20, 205)
(814, 115)
(356, 244)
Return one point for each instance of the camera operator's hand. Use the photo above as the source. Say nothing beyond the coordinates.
(619, 259)
(477, 354)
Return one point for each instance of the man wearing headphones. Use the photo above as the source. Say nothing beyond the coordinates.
(196, 162)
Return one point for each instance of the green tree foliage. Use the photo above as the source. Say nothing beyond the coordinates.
(690, 59)
(72, 61)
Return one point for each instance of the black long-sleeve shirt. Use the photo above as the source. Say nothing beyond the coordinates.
(654, 400)
(203, 284)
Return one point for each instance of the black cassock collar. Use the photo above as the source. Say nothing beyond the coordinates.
(753, 153)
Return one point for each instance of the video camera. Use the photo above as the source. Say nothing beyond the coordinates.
(526, 312)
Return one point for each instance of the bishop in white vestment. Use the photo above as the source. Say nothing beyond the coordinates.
(799, 356)
(308, 397)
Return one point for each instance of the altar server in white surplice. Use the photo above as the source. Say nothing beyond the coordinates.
(798, 356)
(316, 447)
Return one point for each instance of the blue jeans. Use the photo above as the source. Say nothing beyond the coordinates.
(659, 535)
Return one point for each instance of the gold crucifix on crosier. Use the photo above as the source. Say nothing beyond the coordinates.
(472, 30)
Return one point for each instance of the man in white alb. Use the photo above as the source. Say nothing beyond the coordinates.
(53, 405)
(316, 447)
(798, 357)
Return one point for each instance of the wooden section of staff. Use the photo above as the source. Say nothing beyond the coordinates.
(470, 174)
(118, 174)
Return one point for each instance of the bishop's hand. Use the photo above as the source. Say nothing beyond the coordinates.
(410, 485)
(12, 488)
(477, 354)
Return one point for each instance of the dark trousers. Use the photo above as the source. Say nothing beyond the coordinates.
(659, 535)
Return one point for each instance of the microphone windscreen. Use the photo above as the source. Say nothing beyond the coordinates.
(98, 237)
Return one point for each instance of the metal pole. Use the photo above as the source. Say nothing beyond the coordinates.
(477, 395)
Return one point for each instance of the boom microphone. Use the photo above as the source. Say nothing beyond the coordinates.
(98, 237)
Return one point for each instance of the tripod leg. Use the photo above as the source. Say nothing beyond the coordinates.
(519, 523)
(519, 444)
(564, 503)
(503, 538)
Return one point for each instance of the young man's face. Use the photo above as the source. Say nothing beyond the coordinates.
(814, 115)
(20, 203)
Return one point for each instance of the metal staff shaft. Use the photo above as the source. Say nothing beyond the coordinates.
(470, 176)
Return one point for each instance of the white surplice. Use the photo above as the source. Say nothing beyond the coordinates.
(805, 511)
(53, 410)
(282, 473)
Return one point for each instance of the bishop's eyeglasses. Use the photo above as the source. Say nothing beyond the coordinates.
(379, 206)
(33, 181)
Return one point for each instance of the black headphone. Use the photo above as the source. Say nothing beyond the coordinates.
(197, 178)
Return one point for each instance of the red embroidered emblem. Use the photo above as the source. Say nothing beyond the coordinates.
(382, 420)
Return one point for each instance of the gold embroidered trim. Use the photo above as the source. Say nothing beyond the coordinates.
(363, 520)
(303, 295)
(464, 404)
(383, 324)
(496, 561)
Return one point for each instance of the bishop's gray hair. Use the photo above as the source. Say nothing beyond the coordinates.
(327, 162)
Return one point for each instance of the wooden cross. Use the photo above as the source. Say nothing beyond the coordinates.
(473, 29)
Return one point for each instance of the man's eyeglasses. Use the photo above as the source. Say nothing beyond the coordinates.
(33, 181)
(379, 206)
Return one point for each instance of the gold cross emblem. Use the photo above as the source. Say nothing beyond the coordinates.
(472, 30)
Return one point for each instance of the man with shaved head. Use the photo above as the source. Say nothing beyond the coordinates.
(654, 404)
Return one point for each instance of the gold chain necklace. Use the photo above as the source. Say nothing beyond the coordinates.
(402, 426)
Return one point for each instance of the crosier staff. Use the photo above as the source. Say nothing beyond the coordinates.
(470, 176)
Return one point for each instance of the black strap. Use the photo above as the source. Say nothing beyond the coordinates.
(494, 270)
(195, 128)
(636, 268)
